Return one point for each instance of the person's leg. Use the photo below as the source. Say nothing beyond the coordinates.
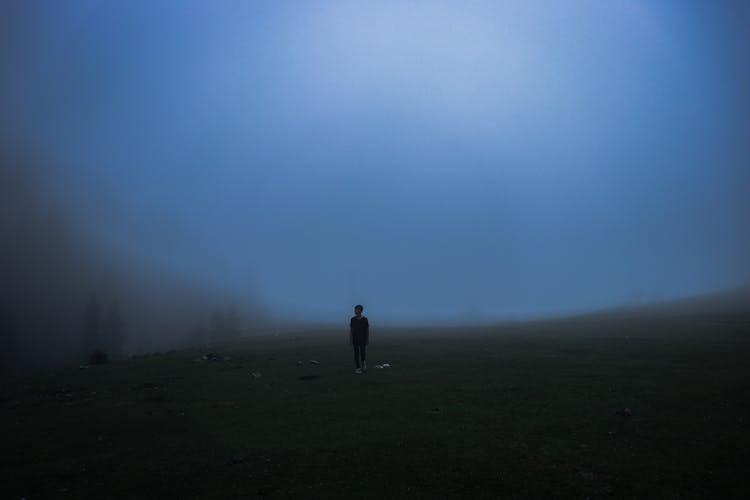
(363, 354)
(356, 356)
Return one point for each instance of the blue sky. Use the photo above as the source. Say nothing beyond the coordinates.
(432, 159)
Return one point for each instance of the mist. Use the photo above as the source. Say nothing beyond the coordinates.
(438, 162)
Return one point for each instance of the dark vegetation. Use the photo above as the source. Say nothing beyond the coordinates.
(98, 357)
(63, 296)
(599, 406)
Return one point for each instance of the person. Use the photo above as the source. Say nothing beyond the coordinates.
(359, 336)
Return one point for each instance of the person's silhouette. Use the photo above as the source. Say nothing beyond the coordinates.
(359, 335)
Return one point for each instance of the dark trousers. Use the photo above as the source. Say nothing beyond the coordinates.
(360, 350)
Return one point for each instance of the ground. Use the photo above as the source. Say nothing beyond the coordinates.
(534, 410)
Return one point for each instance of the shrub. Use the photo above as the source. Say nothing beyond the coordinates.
(98, 358)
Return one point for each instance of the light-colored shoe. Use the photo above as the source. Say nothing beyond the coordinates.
(358, 371)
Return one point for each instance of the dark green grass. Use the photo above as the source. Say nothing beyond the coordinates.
(524, 411)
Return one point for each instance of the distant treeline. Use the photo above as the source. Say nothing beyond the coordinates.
(62, 296)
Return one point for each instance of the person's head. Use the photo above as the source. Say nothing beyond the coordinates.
(358, 309)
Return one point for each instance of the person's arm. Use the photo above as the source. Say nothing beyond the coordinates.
(367, 331)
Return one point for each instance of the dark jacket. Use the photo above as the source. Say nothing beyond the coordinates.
(359, 330)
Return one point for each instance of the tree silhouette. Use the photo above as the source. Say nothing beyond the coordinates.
(8, 346)
(232, 324)
(114, 330)
(218, 325)
(199, 334)
(92, 328)
(225, 324)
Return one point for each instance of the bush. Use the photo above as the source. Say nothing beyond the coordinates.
(98, 358)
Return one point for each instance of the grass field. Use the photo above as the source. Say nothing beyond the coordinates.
(516, 411)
